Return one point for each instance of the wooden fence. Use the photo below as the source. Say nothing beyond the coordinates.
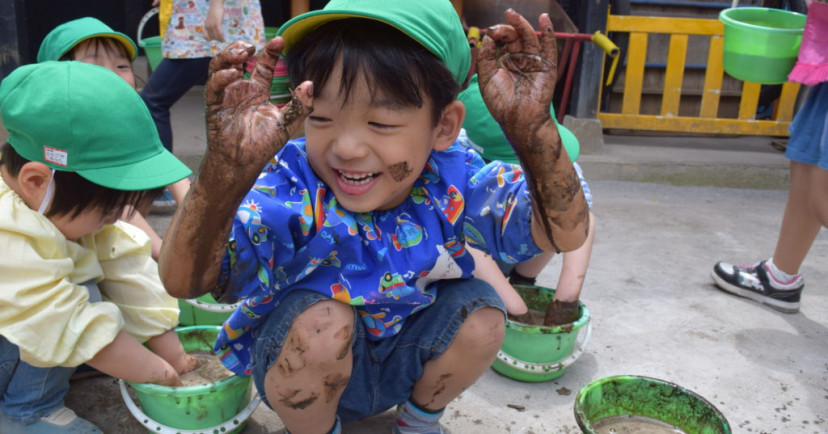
(707, 121)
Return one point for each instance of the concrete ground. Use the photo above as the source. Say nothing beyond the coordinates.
(667, 208)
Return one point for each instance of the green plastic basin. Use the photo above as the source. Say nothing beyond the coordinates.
(761, 44)
(647, 398)
(198, 407)
(152, 48)
(537, 353)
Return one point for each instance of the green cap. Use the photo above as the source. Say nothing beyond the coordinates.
(65, 36)
(432, 23)
(82, 118)
(485, 132)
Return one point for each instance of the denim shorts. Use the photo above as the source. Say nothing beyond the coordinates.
(384, 371)
(809, 130)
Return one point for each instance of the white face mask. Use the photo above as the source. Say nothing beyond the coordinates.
(50, 192)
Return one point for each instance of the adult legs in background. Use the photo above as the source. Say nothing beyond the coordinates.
(167, 84)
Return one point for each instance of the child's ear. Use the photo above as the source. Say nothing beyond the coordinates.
(32, 182)
(448, 128)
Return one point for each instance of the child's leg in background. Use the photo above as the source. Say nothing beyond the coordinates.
(28, 393)
(807, 207)
(801, 222)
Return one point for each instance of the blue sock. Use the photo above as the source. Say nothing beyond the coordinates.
(412, 418)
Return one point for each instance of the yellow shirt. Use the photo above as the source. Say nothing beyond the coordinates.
(44, 307)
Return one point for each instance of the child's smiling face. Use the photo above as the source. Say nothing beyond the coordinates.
(369, 151)
(106, 52)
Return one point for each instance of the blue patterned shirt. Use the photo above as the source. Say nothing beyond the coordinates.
(290, 233)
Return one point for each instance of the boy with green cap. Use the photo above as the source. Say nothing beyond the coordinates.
(78, 286)
(347, 246)
(483, 133)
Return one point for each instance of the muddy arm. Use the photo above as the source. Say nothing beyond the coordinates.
(243, 132)
(517, 75)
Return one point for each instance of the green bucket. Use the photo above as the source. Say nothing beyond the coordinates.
(152, 48)
(628, 399)
(535, 353)
(220, 407)
(761, 44)
(152, 44)
(270, 32)
(204, 310)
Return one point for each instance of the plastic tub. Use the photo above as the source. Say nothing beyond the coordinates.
(152, 44)
(536, 353)
(204, 310)
(634, 400)
(270, 32)
(220, 407)
(761, 44)
(152, 48)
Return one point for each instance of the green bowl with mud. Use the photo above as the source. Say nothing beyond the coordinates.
(635, 404)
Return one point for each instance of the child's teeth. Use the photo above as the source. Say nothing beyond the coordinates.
(357, 179)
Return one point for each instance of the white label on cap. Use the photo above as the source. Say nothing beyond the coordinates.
(55, 156)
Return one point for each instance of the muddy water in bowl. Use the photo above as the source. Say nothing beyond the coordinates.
(209, 369)
(633, 425)
(637, 404)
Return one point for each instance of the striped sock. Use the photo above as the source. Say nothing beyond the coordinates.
(413, 419)
(780, 279)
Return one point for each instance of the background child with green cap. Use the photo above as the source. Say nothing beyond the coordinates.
(347, 246)
(487, 137)
(78, 286)
(89, 40)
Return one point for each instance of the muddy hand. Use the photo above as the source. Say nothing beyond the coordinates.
(519, 85)
(518, 89)
(243, 128)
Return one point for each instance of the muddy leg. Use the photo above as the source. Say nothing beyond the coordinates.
(471, 352)
(313, 368)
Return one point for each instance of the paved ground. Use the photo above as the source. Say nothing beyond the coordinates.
(654, 311)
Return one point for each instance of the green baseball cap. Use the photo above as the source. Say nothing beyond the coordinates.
(65, 36)
(432, 23)
(82, 118)
(485, 132)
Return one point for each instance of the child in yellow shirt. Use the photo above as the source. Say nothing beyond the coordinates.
(78, 285)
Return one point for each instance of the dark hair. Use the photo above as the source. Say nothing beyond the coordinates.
(74, 193)
(104, 43)
(394, 65)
